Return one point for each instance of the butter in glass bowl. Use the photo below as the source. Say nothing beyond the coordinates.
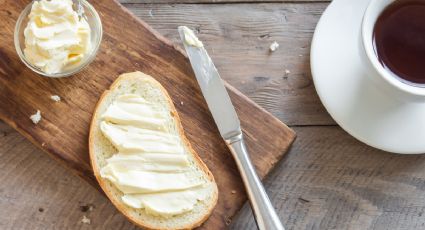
(58, 38)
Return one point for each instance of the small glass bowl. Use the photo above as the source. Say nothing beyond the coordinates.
(94, 22)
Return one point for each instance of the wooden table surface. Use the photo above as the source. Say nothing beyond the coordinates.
(328, 180)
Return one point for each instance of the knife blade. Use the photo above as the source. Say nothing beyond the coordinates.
(212, 88)
(228, 124)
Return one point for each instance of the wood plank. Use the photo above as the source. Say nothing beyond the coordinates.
(238, 37)
(329, 180)
(63, 130)
(217, 1)
(49, 196)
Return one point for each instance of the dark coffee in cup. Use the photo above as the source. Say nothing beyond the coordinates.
(399, 40)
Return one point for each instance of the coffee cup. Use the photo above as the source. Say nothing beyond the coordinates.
(371, 16)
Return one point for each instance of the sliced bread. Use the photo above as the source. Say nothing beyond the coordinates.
(101, 149)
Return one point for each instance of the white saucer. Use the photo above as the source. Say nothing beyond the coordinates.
(346, 86)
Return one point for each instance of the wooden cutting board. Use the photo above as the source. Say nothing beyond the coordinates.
(129, 44)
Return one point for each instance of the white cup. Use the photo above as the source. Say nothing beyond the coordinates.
(370, 17)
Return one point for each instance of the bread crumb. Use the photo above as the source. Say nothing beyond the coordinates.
(43, 144)
(274, 46)
(35, 118)
(86, 208)
(85, 220)
(227, 220)
(55, 98)
(287, 71)
(181, 103)
(233, 192)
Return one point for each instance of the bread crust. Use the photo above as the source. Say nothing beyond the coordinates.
(94, 126)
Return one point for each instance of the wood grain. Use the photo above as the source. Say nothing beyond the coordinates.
(36, 192)
(238, 37)
(329, 180)
(63, 130)
(218, 1)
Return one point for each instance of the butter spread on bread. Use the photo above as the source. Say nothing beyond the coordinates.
(142, 159)
(151, 167)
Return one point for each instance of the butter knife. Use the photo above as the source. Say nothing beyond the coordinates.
(228, 124)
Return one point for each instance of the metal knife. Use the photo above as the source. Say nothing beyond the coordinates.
(228, 124)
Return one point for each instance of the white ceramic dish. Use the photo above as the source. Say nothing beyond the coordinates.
(358, 99)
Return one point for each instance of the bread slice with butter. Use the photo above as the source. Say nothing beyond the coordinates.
(143, 160)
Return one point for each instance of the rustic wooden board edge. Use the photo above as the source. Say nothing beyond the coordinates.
(227, 85)
(87, 174)
(240, 94)
(151, 29)
(292, 135)
(88, 177)
(178, 48)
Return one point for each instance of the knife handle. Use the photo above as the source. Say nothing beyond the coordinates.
(265, 215)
